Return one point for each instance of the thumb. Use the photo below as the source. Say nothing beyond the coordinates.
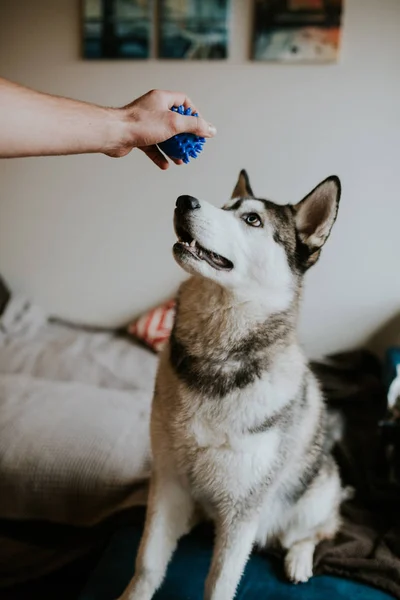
(196, 125)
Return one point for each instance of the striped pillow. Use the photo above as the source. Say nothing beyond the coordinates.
(154, 327)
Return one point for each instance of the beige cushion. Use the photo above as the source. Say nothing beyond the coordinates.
(70, 452)
(74, 416)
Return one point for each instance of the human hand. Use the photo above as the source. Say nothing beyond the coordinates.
(149, 121)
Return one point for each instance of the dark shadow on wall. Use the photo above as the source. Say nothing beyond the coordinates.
(386, 336)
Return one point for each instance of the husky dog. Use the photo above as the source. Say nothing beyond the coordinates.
(239, 428)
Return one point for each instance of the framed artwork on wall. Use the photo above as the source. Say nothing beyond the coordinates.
(117, 29)
(295, 31)
(193, 29)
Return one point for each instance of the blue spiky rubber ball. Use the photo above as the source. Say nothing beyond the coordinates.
(183, 146)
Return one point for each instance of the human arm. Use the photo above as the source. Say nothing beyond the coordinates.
(37, 124)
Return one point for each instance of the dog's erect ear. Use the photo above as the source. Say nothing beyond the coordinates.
(243, 187)
(315, 216)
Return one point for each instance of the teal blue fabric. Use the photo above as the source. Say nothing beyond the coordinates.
(186, 574)
(392, 359)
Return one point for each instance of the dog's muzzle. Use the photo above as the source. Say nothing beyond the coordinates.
(187, 245)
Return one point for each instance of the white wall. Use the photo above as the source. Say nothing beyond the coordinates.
(89, 237)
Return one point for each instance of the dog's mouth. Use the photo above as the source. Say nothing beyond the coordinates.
(186, 243)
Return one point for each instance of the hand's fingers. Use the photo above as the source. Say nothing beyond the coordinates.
(156, 156)
(178, 98)
(195, 125)
(177, 161)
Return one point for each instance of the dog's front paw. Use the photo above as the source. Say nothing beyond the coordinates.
(299, 563)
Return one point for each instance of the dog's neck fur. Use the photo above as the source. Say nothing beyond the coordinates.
(212, 320)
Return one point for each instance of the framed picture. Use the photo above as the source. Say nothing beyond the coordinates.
(117, 28)
(293, 31)
(193, 29)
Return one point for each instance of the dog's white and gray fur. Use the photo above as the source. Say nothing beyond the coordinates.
(239, 428)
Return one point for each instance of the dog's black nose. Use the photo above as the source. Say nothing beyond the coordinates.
(186, 203)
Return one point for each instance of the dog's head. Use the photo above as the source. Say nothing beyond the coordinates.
(252, 243)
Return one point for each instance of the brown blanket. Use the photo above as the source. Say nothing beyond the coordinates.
(368, 546)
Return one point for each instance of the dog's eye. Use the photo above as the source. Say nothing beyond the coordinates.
(252, 219)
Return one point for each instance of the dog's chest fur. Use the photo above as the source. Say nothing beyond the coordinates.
(234, 397)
